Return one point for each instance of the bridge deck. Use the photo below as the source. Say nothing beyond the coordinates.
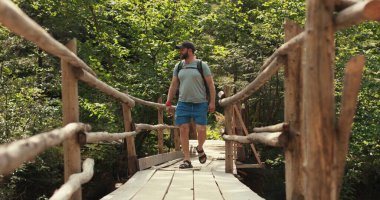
(204, 181)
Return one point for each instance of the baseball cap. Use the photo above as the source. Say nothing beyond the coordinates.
(187, 45)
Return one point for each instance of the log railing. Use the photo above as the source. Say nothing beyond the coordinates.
(73, 134)
(304, 112)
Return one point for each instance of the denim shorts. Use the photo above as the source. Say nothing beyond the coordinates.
(185, 111)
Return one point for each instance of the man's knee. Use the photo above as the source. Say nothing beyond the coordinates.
(201, 128)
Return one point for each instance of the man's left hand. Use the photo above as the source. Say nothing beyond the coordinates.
(211, 107)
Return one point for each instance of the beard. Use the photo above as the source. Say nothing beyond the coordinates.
(185, 55)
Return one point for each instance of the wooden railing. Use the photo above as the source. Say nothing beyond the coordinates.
(290, 135)
(74, 133)
(311, 173)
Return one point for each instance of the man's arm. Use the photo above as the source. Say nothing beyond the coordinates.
(172, 90)
(211, 87)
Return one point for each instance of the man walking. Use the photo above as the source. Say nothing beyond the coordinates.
(194, 80)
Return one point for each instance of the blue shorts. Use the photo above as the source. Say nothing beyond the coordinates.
(185, 111)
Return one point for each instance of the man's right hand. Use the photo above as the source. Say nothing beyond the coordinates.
(169, 107)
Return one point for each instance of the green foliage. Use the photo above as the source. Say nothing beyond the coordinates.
(130, 46)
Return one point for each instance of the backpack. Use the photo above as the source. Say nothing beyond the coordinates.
(200, 69)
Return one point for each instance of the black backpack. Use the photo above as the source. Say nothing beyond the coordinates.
(200, 69)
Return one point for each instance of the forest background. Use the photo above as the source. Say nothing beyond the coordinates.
(130, 45)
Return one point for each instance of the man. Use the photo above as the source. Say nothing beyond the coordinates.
(192, 102)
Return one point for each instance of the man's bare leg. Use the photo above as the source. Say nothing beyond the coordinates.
(184, 135)
(201, 130)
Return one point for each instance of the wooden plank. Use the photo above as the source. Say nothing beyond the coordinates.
(182, 187)
(157, 186)
(131, 187)
(232, 188)
(205, 186)
(150, 161)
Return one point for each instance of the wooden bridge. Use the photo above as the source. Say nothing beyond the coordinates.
(204, 181)
(315, 146)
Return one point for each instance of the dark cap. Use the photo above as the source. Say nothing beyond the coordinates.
(187, 45)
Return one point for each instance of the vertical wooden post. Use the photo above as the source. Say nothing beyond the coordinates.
(228, 117)
(177, 141)
(318, 109)
(130, 140)
(71, 147)
(293, 104)
(240, 153)
(160, 131)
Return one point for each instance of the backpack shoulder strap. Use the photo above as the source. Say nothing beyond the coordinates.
(200, 68)
(180, 65)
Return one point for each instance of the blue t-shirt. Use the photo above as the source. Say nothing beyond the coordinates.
(192, 88)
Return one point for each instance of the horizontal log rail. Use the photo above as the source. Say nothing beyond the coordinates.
(18, 22)
(362, 11)
(141, 127)
(274, 139)
(148, 103)
(96, 83)
(351, 15)
(273, 128)
(14, 154)
(259, 81)
(75, 181)
(94, 137)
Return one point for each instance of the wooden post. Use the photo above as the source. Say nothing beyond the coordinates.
(240, 153)
(160, 135)
(318, 108)
(130, 140)
(293, 103)
(228, 115)
(177, 141)
(71, 147)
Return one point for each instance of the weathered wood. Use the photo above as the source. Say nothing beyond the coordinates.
(343, 4)
(204, 188)
(71, 146)
(130, 188)
(272, 128)
(160, 134)
(95, 137)
(352, 78)
(274, 139)
(14, 154)
(357, 13)
(100, 85)
(149, 103)
(232, 189)
(318, 126)
(75, 181)
(129, 140)
(259, 81)
(181, 187)
(140, 127)
(245, 130)
(229, 129)
(157, 186)
(299, 39)
(292, 114)
(18, 22)
(150, 161)
(248, 166)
